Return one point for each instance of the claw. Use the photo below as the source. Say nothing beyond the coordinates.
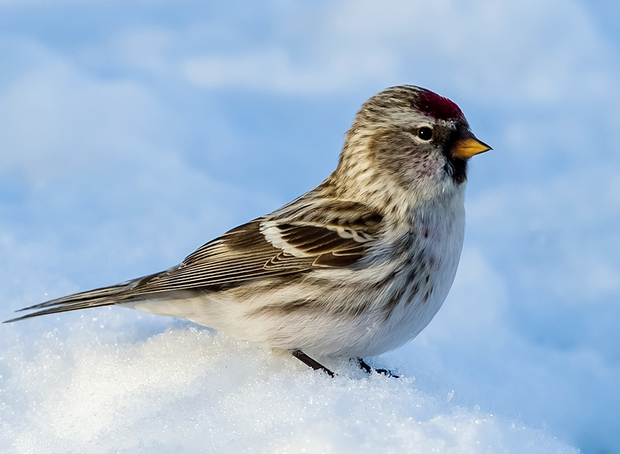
(369, 369)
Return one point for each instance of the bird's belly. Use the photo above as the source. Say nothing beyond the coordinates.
(334, 315)
(376, 332)
(399, 311)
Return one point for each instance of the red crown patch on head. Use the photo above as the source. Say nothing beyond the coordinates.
(437, 106)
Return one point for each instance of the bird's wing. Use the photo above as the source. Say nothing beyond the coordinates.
(336, 234)
(275, 246)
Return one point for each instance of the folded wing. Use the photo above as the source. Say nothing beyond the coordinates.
(266, 247)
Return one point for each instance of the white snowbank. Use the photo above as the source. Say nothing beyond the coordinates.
(102, 383)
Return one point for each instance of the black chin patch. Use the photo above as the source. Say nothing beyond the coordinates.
(457, 169)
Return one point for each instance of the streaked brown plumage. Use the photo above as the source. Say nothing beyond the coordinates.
(355, 267)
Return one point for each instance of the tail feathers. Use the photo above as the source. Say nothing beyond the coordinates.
(106, 296)
(65, 308)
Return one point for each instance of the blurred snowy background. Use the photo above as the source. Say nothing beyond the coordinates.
(132, 132)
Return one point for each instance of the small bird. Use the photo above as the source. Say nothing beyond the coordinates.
(353, 268)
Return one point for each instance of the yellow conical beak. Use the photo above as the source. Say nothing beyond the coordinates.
(468, 147)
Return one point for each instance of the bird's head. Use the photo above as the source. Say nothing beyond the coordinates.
(412, 137)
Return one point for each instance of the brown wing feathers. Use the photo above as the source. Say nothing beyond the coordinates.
(239, 256)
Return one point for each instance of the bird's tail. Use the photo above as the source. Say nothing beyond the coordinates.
(106, 296)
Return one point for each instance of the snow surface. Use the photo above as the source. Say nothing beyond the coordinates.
(91, 388)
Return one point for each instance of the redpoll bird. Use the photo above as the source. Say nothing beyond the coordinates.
(355, 267)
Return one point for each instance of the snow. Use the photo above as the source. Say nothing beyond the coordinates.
(91, 388)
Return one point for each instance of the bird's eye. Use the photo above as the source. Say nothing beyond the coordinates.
(425, 133)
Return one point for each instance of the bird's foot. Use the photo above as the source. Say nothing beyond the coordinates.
(301, 356)
(369, 369)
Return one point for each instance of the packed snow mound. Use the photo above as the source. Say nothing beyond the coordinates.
(97, 385)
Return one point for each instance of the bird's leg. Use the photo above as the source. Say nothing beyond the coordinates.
(369, 369)
(301, 356)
